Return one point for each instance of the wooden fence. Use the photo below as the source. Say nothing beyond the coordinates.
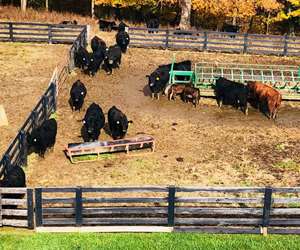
(16, 207)
(39, 32)
(215, 41)
(16, 154)
(181, 209)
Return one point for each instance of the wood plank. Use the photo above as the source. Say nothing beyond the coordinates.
(287, 190)
(123, 200)
(217, 221)
(108, 229)
(60, 189)
(124, 221)
(61, 210)
(283, 230)
(221, 189)
(59, 221)
(14, 223)
(20, 202)
(16, 212)
(125, 210)
(13, 190)
(226, 230)
(286, 200)
(29, 34)
(218, 211)
(218, 200)
(285, 211)
(58, 200)
(125, 189)
(284, 222)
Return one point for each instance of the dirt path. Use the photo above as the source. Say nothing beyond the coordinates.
(202, 146)
(25, 71)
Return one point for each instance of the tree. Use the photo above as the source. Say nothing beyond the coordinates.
(290, 13)
(23, 5)
(186, 8)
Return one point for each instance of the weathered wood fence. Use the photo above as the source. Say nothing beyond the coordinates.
(16, 207)
(191, 209)
(39, 32)
(16, 154)
(215, 41)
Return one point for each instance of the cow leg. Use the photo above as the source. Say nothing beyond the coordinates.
(152, 95)
(157, 96)
(220, 102)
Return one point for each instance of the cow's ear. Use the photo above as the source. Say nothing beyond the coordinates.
(83, 121)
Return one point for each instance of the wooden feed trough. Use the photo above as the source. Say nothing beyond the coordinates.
(91, 151)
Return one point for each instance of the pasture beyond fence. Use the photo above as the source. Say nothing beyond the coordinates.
(254, 210)
(16, 153)
(215, 41)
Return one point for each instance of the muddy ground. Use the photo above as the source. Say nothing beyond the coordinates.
(194, 146)
(25, 71)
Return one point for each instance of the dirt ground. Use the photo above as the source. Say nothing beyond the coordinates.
(194, 146)
(25, 71)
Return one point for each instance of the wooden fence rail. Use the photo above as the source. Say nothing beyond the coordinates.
(215, 41)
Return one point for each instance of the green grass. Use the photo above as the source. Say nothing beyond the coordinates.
(288, 164)
(185, 241)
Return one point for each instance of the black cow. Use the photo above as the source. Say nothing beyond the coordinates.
(77, 94)
(82, 58)
(97, 43)
(230, 28)
(96, 60)
(123, 39)
(106, 25)
(231, 93)
(158, 79)
(74, 22)
(118, 123)
(14, 176)
(152, 23)
(43, 137)
(93, 122)
(122, 26)
(113, 58)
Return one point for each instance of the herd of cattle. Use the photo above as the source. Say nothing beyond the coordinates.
(227, 92)
(102, 56)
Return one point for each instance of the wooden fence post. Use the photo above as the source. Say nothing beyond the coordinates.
(11, 32)
(285, 46)
(0, 208)
(6, 161)
(205, 41)
(50, 34)
(167, 39)
(45, 102)
(72, 58)
(171, 206)
(266, 210)
(35, 118)
(53, 84)
(245, 43)
(30, 208)
(23, 147)
(38, 207)
(78, 206)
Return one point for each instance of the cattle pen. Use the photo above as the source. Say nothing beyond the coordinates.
(255, 210)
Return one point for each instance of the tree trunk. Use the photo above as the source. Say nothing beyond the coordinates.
(47, 5)
(268, 23)
(23, 5)
(92, 8)
(185, 20)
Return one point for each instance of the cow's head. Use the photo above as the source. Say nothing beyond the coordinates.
(34, 140)
(155, 78)
(90, 124)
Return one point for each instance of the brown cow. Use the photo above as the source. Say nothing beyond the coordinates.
(262, 93)
(174, 90)
(191, 93)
